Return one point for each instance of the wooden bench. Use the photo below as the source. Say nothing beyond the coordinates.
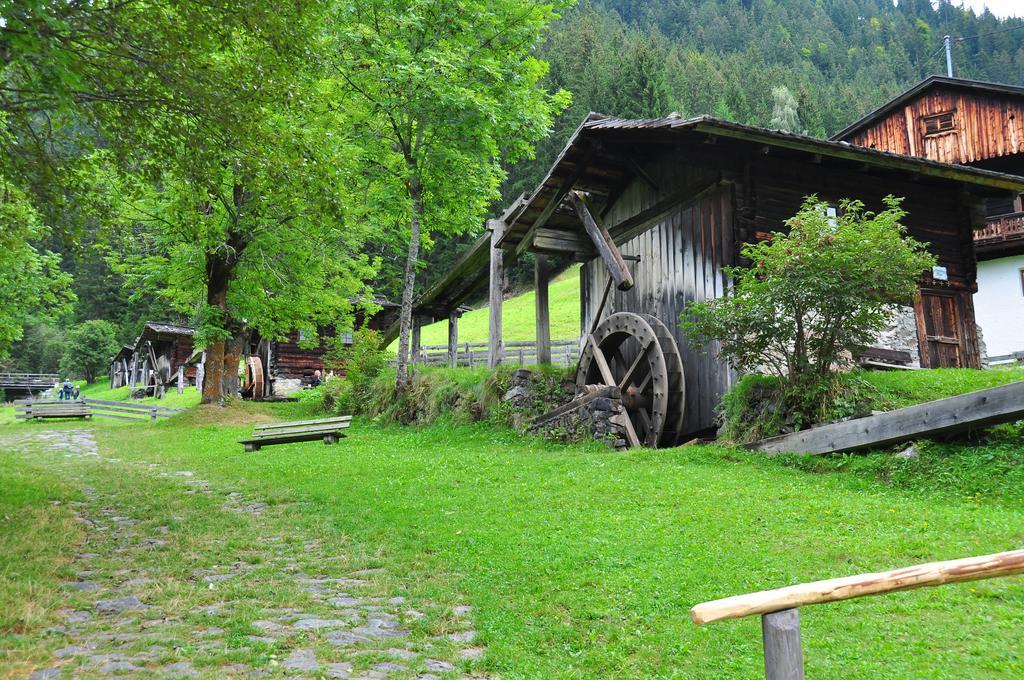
(32, 410)
(328, 429)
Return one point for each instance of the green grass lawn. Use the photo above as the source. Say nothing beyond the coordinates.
(580, 562)
(518, 316)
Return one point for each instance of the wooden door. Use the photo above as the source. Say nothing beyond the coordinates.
(946, 331)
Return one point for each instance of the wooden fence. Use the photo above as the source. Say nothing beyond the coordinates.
(780, 619)
(121, 410)
(563, 353)
(26, 381)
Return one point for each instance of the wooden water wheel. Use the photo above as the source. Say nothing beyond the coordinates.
(253, 378)
(637, 354)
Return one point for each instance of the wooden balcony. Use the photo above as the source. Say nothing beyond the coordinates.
(1002, 235)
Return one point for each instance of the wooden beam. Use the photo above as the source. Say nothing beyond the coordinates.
(641, 173)
(564, 188)
(559, 240)
(645, 219)
(453, 339)
(497, 285)
(541, 275)
(783, 654)
(603, 242)
(971, 411)
(861, 585)
(416, 343)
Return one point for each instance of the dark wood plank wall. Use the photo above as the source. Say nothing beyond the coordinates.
(290, 361)
(940, 218)
(987, 126)
(681, 261)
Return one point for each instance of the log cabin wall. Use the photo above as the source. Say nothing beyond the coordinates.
(681, 261)
(289, 361)
(984, 126)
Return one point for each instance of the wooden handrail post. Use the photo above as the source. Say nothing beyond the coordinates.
(783, 654)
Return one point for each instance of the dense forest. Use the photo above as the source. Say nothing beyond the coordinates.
(838, 59)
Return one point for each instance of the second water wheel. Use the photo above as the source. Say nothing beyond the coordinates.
(637, 354)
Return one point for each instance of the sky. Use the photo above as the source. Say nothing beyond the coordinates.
(1001, 8)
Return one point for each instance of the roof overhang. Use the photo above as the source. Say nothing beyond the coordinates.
(598, 160)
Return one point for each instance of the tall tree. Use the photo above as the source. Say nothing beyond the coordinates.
(439, 92)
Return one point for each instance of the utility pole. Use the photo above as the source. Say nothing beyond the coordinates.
(948, 42)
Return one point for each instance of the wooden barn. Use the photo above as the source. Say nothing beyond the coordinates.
(160, 357)
(654, 209)
(979, 124)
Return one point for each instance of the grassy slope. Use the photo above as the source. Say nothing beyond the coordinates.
(518, 316)
(581, 563)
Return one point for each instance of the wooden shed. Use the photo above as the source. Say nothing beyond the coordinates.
(161, 356)
(654, 209)
(120, 367)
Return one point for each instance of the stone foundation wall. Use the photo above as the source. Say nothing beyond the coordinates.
(282, 387)
(597, 413)
(901, 335)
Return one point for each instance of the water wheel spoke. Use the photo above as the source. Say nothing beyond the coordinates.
(602, 362)
(628, 376)
(645, 420)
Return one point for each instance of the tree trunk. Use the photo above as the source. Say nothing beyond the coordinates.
(234, 351)
(217, 273)
(402, 379)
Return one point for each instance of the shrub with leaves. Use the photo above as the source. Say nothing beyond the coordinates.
(811, 297)
(361, 363)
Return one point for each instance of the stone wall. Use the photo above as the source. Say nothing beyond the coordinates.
(597, 414)
(901, 335)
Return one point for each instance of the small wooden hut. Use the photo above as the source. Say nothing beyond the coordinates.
(120, 367)
(161, 356)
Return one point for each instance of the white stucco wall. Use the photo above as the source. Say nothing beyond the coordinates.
(999, 305)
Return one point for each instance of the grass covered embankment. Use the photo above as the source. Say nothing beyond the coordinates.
(580, 562)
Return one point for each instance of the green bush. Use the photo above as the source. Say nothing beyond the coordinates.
(361, 364)
(761, 406)
(462, 395)
(811, 298)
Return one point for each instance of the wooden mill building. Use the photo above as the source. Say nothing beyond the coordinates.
(980, 125)
(655, 208)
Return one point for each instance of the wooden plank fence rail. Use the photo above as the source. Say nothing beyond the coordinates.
(563, 353)
(122, 410)
(966, 412)
(780, 623)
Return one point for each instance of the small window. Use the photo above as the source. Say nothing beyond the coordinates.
(938, 124)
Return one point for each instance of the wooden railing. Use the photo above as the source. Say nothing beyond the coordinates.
(1001, 228)
(780, 620)
(563, 353)
(26, 380)
(121, 410)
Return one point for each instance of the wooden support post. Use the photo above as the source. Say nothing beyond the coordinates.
(783, 655)
(453, 339)
(540, 281)
(497, 285)
(415, 342)
(181, 379)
